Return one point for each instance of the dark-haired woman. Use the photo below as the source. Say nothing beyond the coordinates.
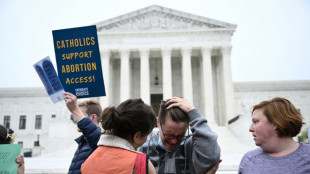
(126, 128)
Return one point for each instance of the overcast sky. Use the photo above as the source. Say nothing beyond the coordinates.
(271, 42)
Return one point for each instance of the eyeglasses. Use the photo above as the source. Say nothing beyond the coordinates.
(170, 136)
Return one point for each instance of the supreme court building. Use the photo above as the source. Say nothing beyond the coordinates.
(156, 53)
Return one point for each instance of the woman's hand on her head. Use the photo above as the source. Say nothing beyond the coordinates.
(181, 103)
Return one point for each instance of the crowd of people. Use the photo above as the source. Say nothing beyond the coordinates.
(183, 142)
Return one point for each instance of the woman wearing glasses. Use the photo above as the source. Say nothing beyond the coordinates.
(172, 150)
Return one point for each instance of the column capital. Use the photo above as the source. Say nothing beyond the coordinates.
(206, 50)
(124, 52)
(226, 50)
(144, 52)
(186, 51)
(105, 53)
(166, 51)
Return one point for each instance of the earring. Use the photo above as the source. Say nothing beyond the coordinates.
(8, 135)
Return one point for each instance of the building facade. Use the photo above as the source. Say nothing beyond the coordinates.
(156, 53)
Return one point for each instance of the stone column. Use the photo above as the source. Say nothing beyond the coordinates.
(187, 74)
(105, 59)
(145, 76)
(207, 84)
(125, 75)
(167, 78)
(228, 84)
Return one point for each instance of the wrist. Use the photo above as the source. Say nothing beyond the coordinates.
(190, 109)
(80, 120)
(78, 115)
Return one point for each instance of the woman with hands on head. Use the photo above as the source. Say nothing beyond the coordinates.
(173, 150)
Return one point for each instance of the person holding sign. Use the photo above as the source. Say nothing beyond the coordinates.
(126, 128)
(274, 124)
(6, 138)
(86, 115)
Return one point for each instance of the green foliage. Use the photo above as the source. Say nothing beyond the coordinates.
(303, 137)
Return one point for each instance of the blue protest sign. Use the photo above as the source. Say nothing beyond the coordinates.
(78, 61)
(50, 80)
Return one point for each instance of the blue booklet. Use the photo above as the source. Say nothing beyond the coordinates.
(78, 61)
(50, 80)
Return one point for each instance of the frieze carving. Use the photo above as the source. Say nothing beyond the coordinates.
(156, 20)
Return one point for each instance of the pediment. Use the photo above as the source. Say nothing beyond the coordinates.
(157, 18)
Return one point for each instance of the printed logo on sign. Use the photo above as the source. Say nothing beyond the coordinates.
(81, 91)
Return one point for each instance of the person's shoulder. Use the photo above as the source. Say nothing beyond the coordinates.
(253, 153)
(304, 149)
(250, 156)
(305, 146)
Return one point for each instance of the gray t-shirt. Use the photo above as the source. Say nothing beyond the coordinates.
(258, 161)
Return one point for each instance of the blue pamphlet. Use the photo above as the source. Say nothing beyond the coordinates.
(50, 80)
(78, 61)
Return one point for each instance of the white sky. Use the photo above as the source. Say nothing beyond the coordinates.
(271, 42)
